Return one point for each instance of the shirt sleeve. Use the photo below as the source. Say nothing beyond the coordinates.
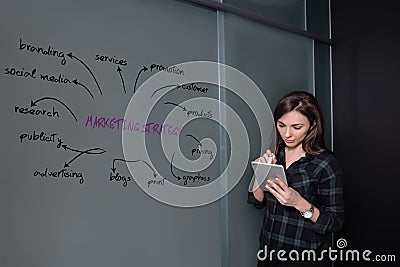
(329, 199)
(252, 200)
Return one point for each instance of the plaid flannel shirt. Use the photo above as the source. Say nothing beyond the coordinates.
(318, 179)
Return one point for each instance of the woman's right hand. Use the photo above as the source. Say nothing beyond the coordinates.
(257, 191)
(265, 156)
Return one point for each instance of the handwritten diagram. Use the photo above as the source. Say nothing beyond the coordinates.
(172, 128)
(56, 108)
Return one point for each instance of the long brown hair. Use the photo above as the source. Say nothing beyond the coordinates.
(306, 104)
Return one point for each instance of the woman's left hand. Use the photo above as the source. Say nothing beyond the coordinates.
(285, 195)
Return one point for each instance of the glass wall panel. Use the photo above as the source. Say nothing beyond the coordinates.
(278, 62)
(115, 47)
(323, 85)
(318, 17)
(288, 12)
(51, 219)
(304, 15)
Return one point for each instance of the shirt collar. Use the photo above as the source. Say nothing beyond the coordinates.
(281, 159)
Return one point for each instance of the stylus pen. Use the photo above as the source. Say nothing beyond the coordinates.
(270, 159)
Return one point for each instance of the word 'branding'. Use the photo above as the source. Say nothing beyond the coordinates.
(50, 51)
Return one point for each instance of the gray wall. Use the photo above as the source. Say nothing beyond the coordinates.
(365, 84)
(100, 221)
(60, 222)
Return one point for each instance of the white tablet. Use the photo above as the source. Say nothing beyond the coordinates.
(264, 171)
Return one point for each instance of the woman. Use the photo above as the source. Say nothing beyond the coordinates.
(299, 217)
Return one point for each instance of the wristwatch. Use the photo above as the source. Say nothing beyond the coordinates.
(308, 213)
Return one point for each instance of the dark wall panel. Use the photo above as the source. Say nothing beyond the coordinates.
(366, 78)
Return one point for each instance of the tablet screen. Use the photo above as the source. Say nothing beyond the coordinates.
(265, 171)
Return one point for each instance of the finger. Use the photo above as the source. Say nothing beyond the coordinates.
(271, 189)
(270, 155)
(275, 193)
(262, 159)
(255, 185)
(266, 157)
(281, 184)
(272, 183)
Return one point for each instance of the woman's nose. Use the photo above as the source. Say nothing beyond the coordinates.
(288, 133)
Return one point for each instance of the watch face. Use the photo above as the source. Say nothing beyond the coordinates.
(307, 214)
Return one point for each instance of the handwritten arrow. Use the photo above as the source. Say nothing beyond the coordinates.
(33, 104)
(114, 160)
(194, 139)
(154, 172)
(137, 77)
(172, 159)
(84, 151)
(170, 103)
(122, 78)
(83, 63)
(89, 151)
(172, 85)
(81, 84)
(114, 169)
